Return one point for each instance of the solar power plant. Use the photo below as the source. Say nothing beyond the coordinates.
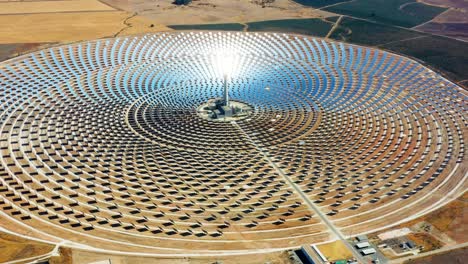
(102, 146)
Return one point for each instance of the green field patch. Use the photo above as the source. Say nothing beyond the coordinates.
(312, 26)
(368, 33)
(215, 27)
(415, 9)
(404, 13)
(448, 55)
(332, 19)
(319, 3)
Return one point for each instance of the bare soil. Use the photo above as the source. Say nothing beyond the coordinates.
(458, 256)
(450, 219)
(16, 248)
(447, 3)
(84, 257)
(216, 11)
(15, 49)
(452, 23)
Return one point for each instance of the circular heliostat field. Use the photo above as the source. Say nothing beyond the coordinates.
(102, 146)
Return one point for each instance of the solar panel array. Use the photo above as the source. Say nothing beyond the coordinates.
(101, 144)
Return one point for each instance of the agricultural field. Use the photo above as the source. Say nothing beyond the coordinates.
(452, 23)
(458, 256)
(313, 26)
(34, 7)
(371, 34)
(454, 30)
(451, 3)
(443, 54)
(403, 13)
(320, 3)
(69, 27)
(439, 17)
(216, 11)
(223, 27)
(42, 22)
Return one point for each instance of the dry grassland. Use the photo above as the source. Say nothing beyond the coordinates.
(84, 257)
(427, 241)
(450, 219)
(70, 27)
(30, 7)
(216, 11)
(335, 251)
